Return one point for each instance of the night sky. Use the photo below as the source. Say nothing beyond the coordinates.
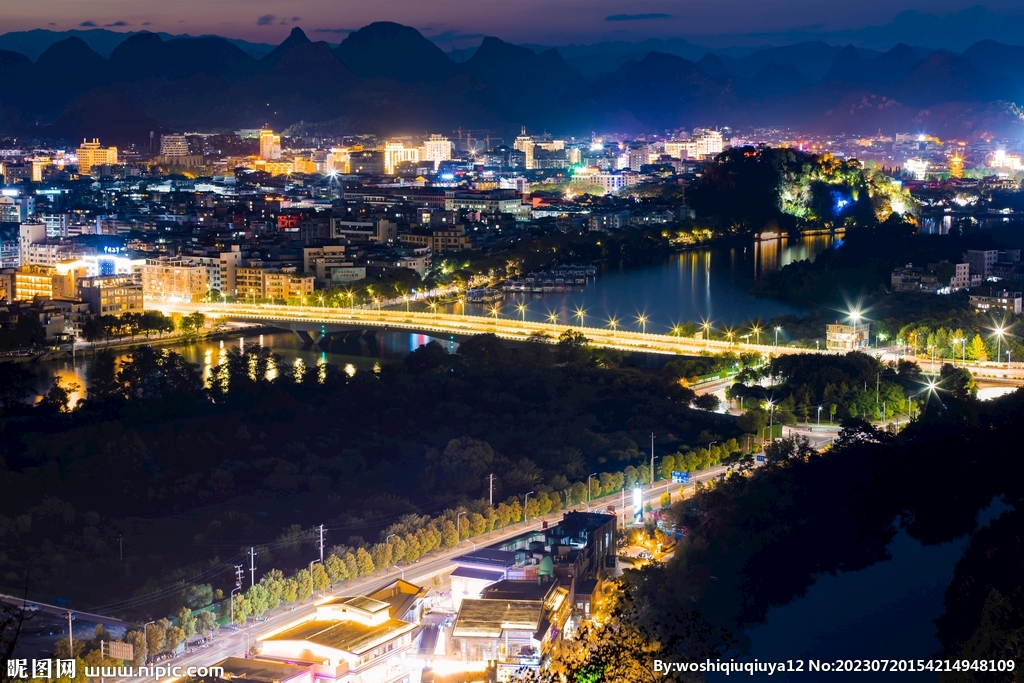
(465, 21)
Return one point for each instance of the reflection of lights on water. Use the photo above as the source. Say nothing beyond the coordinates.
(300, 370)
(271, 370)
(261, 340)
(376, 368)
(321, 365)
(350, 369)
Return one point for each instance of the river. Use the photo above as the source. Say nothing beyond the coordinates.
(693, 286)
(702, 284)
(884, 611)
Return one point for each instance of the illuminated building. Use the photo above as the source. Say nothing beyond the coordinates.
(349, 640)
(274, 284)
(91, 154)
(10, 212)
(1009, 302)
(525, 144)
(270, 145)
(338, 160)
(174, 280)
(29, 234)
(611, 182)
(437, 149)
(703, 143)
(918, 167)
(38, 164)
(173, 146)
(515, 624)
(48, 282)
(396, 153)
(845, 338)
(1002, 160)
(956, 166)
(111, 295)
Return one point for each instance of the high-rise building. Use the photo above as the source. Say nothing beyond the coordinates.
(173, 146)
(37, 164)
(525, 144)
(270, 145)
(174, 280)
(29, 234)
(90, 154)
(437, 149)
(395, 153)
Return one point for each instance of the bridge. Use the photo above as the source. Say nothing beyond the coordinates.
(313, 322)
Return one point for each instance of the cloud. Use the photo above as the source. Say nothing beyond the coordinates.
(146, 23)
(88, 24)
(335, 30)
(637, 17)
(265, 20)
(117, 23)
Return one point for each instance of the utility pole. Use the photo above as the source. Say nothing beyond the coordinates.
(321, 543)
(491, 498)
(652, 460)
(252, 566)
(120, 547)
(71, 638)
(878, 379)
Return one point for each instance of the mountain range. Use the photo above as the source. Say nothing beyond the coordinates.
(388, 78)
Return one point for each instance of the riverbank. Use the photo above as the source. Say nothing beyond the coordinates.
(161, 340)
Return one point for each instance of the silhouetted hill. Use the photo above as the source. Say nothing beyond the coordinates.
(147, 56)
(394, 51)
(113, 114)
(943, 77)
(772, 81)
(295, 38)
(386, 78)
(102, 41)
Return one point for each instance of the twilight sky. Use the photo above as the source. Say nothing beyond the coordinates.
(461, 21)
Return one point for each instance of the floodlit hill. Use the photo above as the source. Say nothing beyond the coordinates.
(394, 51)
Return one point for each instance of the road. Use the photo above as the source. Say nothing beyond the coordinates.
(227, 643)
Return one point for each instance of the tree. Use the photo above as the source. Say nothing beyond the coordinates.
(290, 590)
(364, 562)
(187, 622)
(156, 636)
(706, 402)
(352, 565)
(304, 584)
(336, 569)
(449, 534)
(16, 384)
(197, 596)
(101, 378)
(206, 621)
(464, 464)
(977, 350)
(320, 578)
(175, 637)
(573, 347)
(140, 649)
(58, 397)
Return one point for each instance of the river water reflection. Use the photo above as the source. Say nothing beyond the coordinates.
(705, 284)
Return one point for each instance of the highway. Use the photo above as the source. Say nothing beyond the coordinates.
(227, 643)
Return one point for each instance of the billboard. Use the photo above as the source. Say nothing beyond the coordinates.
(680, 477)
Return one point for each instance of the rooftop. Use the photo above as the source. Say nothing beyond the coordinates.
(347, 636)
(489, 618)
(259, 670)
(488, 556)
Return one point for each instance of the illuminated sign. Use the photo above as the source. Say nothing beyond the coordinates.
(638, 503)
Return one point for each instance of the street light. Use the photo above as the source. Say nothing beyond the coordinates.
(999, 343)
(777, 328)
(771, 419)
(614, 324)
(522, 310)
(757, 334)
(819, 416)
(493, 311)
(433, 307)
(855, 316)
(706, 326)
(642, 319)
(553, 318)
(526, 502)
(589, 497)
(580, 314)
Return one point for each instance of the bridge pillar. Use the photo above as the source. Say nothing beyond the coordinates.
(307, 337)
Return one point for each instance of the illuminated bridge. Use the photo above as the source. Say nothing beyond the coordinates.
(311, 322)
